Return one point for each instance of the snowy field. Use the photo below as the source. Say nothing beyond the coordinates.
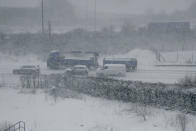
(83, 113)
(180, 57)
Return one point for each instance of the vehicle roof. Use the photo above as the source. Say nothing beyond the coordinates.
(120, 59)
(80, 66)
(81, 56)
(115, 65)
(54, 51)
(28, 66)
(68, 69)
(77, 58)
(76, 55)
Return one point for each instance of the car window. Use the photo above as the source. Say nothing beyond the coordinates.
(79, 67)
(105, 67)
(28, 66)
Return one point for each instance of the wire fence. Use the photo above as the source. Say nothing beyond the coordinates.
(19, 126)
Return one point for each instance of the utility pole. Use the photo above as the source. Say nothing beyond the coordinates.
(42, 16)
(192, 54)
(49, 30)
(87, 14)
(184, 43)
(177, 59)
(95, 26)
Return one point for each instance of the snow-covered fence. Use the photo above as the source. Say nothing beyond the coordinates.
(19, 126)
(9, 80)
(160, 95)
(30, 81)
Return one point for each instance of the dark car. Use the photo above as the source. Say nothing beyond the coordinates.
(27, 70)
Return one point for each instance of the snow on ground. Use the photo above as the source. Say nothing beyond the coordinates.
(41, 113)
(168, 77)
(180, 57)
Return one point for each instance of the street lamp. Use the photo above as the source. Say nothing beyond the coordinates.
(87, 14)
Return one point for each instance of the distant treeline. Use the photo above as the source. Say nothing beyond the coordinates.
(107, 41)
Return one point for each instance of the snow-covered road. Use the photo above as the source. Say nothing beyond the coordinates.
(164, 75)
(146, 71)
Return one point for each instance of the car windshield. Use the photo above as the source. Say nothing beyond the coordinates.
(80, 68)
(28, 66)
(105, 67)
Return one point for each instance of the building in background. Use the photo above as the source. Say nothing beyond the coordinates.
(169, 27)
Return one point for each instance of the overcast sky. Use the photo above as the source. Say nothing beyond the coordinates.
(127, 6)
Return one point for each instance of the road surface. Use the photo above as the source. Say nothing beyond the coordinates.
(143, 73)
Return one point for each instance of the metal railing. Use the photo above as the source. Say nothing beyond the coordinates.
(19, 126)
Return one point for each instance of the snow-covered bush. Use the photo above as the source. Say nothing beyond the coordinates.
(141, 110)
(63, 93)
(159, 95)
(55, 80)
(4, 125)
(182, 121)
(103, 128)
(28, 91)
(188, 81)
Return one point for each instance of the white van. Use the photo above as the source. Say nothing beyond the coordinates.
(118, 70)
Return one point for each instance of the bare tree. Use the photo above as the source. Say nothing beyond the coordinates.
(4, 125)
(141, 110)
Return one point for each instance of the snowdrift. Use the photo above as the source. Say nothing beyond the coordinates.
(180, 57)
